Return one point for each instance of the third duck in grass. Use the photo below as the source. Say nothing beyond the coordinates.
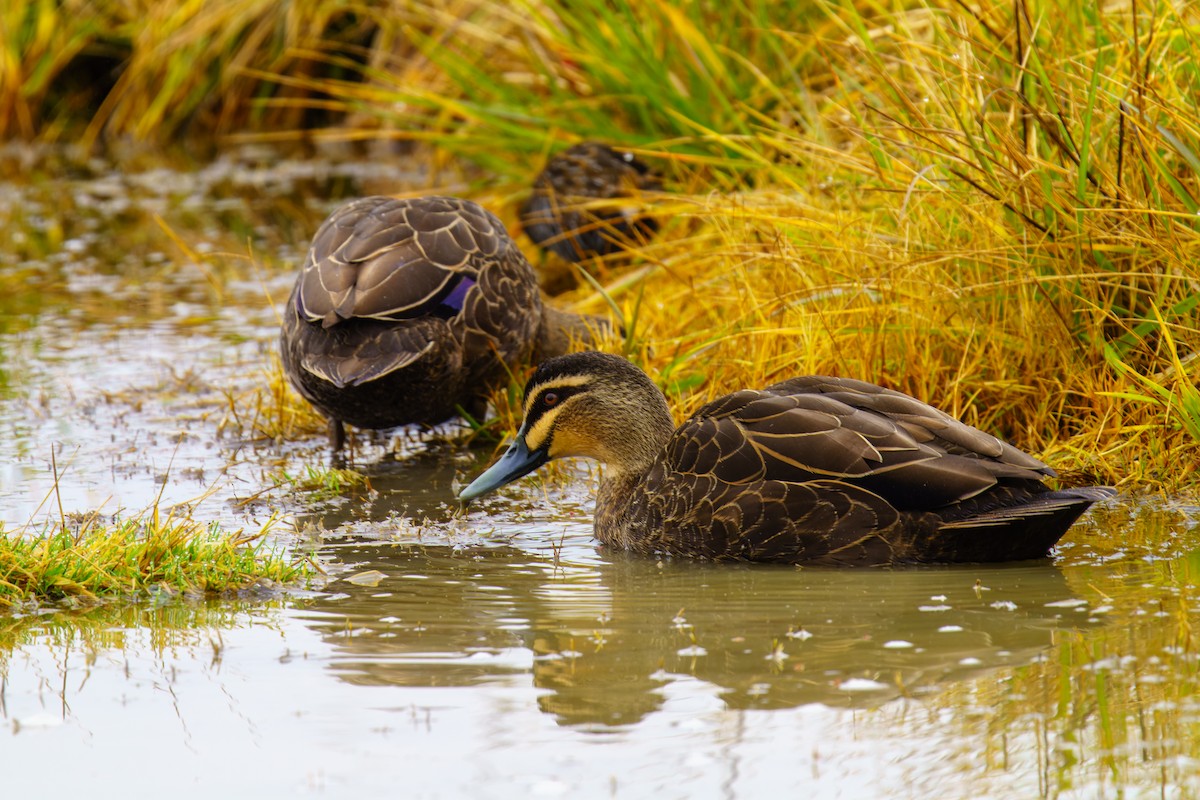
(586, 203)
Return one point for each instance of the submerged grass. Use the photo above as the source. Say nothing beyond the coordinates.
(86, 560)
(272, 410)
(323, 482)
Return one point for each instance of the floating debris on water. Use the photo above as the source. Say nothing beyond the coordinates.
(370, 577)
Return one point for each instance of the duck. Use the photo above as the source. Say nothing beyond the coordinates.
(557, 218)
(815, 470)
(411, 311)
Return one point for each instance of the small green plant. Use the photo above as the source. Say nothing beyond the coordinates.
(321, 482)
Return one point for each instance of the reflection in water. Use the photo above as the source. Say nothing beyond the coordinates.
(410, 474)
(483, 654)
(62, 652)
(608, 638)
(174, 624)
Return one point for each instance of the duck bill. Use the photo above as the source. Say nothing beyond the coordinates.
(516, 462)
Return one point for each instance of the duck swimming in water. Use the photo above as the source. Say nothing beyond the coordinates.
(813, 470)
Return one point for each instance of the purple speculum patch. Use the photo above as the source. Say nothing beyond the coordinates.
(457, 296)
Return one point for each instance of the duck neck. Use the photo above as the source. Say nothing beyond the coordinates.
(636, 446)
(614, 516)
(634, 443)
(562, 331)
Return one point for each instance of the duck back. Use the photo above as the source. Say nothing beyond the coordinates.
(834, 471)
(407, 311)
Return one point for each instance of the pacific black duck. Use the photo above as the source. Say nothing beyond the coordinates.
(408, 310)
(813, 470)
(562, 215)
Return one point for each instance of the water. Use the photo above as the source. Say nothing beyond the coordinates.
(468, 664)
(501, 653)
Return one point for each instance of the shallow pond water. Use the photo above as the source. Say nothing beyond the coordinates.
(501, 651)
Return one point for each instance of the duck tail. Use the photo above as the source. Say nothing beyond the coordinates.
(1019, 532)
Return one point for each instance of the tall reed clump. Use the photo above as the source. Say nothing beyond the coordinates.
(157, 69)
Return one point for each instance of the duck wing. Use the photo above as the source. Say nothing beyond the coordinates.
(372, 352)
(817, 428)
(835, 471)
(388, 283)
(391, 260)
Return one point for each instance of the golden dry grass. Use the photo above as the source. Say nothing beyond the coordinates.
(991, 206)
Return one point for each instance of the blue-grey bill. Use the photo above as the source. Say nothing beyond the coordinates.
(516, 462)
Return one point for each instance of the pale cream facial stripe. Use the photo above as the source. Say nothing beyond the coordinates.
(539, 434)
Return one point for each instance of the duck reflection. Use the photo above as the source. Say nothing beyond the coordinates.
(614, 638)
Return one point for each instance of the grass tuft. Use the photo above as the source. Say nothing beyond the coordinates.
(88, 560)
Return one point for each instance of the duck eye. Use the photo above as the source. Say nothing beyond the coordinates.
(549, 398)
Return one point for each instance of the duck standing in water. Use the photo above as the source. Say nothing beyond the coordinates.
(562, 215)
(813, 470)
(413, 311)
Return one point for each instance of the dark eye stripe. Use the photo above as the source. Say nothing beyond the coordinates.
(558, 393)
(544, 404)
